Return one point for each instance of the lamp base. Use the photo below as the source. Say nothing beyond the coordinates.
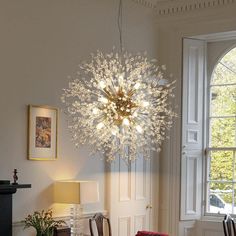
(75, 220)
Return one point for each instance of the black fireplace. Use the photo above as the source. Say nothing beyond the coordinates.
(6, 191)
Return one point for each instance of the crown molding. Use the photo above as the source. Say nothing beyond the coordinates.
(169, 7)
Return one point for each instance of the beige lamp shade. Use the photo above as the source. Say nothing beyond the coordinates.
(76, 192)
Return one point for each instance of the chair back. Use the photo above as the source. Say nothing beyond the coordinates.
(229, 226)
(100, 220)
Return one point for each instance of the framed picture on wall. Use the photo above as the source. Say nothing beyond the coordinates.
(42, 132)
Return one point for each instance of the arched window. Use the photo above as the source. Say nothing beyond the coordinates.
(221, 145)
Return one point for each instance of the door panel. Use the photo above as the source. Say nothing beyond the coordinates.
(130, 198)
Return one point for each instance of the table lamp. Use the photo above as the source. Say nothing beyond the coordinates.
(76, 193)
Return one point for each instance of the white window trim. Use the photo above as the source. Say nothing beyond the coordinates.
(208, 38)
(206, 123)
(206, 128)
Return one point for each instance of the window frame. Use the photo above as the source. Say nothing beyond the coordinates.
(206, 129)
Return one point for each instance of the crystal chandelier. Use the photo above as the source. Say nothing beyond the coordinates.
(119, 105)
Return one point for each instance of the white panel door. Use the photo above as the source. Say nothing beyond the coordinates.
(130, 197)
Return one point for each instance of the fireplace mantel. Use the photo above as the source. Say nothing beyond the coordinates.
(6, 191)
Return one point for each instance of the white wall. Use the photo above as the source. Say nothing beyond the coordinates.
(41, 42)
(172, 29)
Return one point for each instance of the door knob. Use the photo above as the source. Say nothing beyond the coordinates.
(149, 206)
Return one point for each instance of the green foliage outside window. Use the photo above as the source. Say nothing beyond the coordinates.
(223, 126)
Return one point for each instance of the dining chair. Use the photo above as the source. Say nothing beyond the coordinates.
(229, 226)
(99, 221)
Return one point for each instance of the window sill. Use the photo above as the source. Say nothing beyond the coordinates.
(212, 218)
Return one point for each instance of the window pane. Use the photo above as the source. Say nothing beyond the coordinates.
(225, 71)
(222, 132)
(221, 167)
(234, 156)
(221, 175)
(223, 100)
(234, 202)
(220, 201)
(223, 74)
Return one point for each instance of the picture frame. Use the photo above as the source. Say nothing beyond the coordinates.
(42, 132)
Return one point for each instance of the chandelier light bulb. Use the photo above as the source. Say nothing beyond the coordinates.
(145, 103)
(95, 111)
(126, 122)
(121, 77)
(100, 126)
(137, 86)
(135, 114)
(139, 129)
(103, 100)
(102, 84)
(118, 105)
(114, 131)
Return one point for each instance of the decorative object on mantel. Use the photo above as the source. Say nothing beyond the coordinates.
(119, 104)
(15, 177)
(6, 191)
(42, 132)
(43, 222)
(76, 193)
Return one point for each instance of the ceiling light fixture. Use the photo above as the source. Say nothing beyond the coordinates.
(119, 104)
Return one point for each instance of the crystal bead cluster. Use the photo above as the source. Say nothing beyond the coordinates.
(119, 105)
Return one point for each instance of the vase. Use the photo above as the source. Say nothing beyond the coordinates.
(44, 234)
(49, 233)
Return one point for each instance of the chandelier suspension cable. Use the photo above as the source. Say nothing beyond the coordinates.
(120, 16)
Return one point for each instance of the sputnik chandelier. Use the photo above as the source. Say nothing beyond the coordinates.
(119, 105)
